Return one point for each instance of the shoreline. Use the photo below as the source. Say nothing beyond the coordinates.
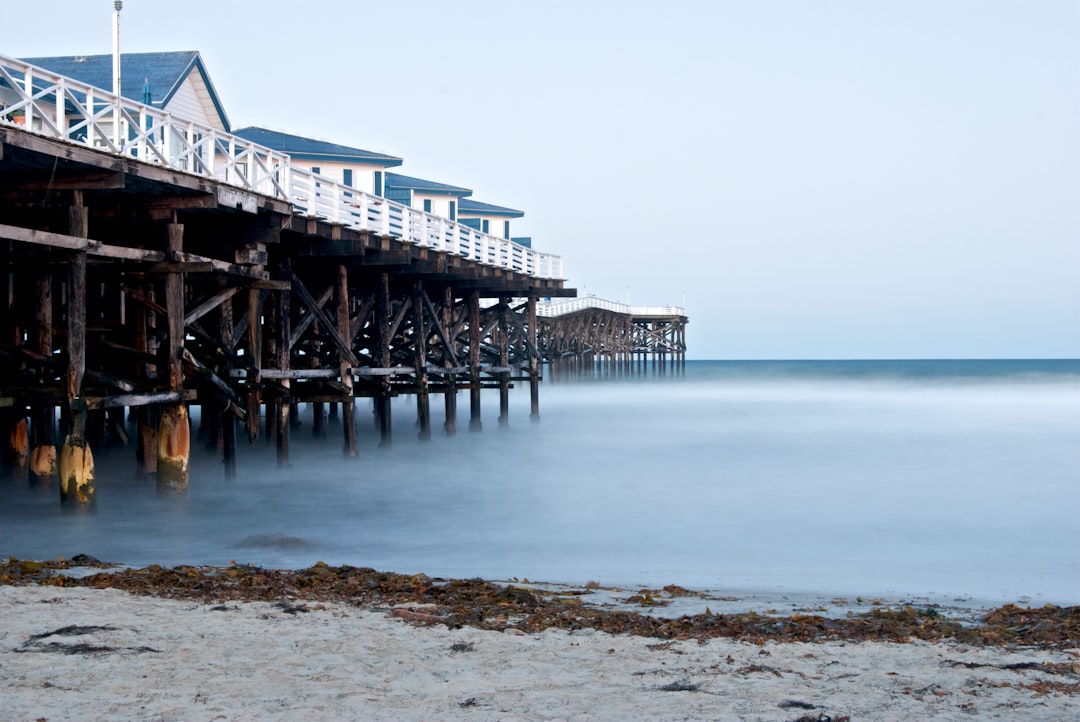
(670, 612)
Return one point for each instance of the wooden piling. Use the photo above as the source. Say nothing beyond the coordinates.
(282, 363)
(76, 463)
(450, 394)
(43, 471)
(534, 362)
(174, 434)
(382, 352)
(348, 404)
(474, 362)
(423, 410)
(504, 362)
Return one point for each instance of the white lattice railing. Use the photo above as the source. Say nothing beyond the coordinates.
(60, 107)
(573, 305)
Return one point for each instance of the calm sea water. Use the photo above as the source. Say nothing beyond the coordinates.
(933, 478)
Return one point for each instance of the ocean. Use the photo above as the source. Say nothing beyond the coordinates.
(938, 479)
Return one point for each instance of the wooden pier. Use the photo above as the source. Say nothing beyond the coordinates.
(150, 263)
(128, 287)
(589, 335)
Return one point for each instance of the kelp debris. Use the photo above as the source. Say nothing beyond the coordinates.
(481, 604)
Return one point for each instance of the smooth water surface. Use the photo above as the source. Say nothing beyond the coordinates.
(937, 478)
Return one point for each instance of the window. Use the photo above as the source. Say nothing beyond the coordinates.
(453, 210)
(346, 177)
(378, 183)
(506, 230)
(427, 205)
(485, 226)
(316, 169)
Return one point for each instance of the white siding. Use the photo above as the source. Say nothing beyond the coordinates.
(192, 101)
(363, 175)
(440, 204)
(495, 223)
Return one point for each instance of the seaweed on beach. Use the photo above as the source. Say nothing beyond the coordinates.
(477, 603)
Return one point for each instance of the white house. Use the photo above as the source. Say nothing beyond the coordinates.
(363, 170)
(176, 82)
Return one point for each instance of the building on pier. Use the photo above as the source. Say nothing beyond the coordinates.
(177, 82)
(364, 170)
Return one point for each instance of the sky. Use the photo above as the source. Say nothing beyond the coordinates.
(810, 179)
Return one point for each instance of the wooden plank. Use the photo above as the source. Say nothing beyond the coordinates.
(125, 253)
(94, 403)
(209, 305)
(214, 380)
(309, 318)
(43, 238)
(329, 326)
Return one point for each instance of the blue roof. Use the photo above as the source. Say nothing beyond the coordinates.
(310, 149)
(467, 206)
(396, 180)
(165, 72)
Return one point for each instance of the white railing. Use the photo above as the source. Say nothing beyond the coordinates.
(59, 107)
(573, 305)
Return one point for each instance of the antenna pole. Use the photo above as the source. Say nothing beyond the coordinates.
(117, 6)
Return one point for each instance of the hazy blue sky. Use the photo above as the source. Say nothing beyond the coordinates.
(818, 179)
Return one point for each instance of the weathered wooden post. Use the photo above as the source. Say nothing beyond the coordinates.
(348, 404)
(423, 409)
(382, 354)
(228, 417)
(174, 431)
(474, 362)
(450, 395)
(534, 362)
(284, 330)
(43, 415)
(17, 446)
(504, 362)
(254, 377)
(76, 463)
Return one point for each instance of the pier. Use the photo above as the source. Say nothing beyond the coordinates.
(583, 336)
(151, 263)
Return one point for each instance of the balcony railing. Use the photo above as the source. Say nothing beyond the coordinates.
(573, 305)
(56, 106)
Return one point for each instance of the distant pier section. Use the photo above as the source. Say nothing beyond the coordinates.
(584, 335)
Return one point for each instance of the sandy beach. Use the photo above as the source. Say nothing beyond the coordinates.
(103, 653)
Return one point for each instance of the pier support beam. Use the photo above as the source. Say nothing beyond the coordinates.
(174, 433)
(43, 473)
(504, 361)
(348, 404)
(450, 395)
(534, 362)
(284, 331)
(474, 362)
(423, 408)
(76, 463)
(384, 393)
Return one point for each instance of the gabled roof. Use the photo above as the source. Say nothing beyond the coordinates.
(468, 206)
(165, 73)
(310, 149)
(396, 180)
